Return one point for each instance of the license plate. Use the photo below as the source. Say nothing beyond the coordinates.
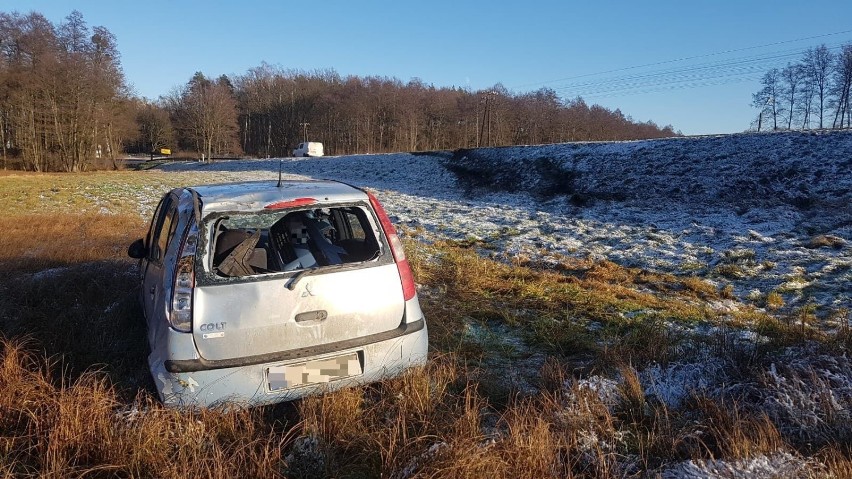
(313, 372)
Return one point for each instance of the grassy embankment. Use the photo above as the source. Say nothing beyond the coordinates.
(76, 400)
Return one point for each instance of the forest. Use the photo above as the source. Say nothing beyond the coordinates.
(65, 105)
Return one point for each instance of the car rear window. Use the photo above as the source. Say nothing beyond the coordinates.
(265, 243)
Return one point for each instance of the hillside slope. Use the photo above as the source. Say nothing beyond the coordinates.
(811, 171)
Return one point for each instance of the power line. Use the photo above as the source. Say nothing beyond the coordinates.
(698, 67)
(706, 55)
(664, 88)
(694, 76)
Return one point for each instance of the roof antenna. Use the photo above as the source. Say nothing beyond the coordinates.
(280, 165)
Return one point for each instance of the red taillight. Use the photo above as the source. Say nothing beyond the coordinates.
(290, 203)
(405, 275)
(183, 284)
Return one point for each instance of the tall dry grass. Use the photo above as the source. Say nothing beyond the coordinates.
(53, 427)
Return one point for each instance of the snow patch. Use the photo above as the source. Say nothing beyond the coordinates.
(677, 382)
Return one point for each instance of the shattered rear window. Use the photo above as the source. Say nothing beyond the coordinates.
(264, 243)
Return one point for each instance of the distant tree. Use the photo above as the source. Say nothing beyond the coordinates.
(818, 62)
(791, 79)
(113, 112)
(841, 89)
(30, 54)
(205, 113)
(766, 98)
(63, 92)
(155, 127)
(65, 105)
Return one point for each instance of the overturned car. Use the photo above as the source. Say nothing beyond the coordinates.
(260, 292)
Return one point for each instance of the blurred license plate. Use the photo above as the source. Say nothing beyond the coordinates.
(313, 372)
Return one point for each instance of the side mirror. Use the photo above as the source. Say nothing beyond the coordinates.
(137, 249)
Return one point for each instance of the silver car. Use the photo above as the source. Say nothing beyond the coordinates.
(260, 292)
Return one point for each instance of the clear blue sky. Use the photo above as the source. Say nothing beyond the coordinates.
(475, 44)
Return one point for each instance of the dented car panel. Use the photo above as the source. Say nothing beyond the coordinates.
(261, 317)
(260, 293)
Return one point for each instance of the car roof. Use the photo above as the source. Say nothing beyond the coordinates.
(255, 195)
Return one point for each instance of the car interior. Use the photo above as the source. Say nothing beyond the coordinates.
(255, 244)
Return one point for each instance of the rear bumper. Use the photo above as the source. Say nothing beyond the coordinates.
(201, 364)
(206, 383)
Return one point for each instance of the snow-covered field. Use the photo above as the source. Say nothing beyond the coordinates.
(762, 212)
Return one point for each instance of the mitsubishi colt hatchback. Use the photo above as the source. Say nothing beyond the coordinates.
(260, 292)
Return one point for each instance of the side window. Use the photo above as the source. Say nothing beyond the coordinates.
(168, 231)
(164, 228)
(156, 220)
(355, 227)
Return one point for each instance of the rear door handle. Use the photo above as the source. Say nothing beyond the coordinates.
(316, 316)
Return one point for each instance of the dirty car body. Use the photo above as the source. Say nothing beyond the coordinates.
(258, 293)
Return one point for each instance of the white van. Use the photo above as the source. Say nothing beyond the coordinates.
(310, 148)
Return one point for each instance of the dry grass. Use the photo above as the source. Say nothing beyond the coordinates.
(53, 427)
(774, 300)
(837, 461)
(35, 242)
(826, 241)
(630, 308)
(732, 432)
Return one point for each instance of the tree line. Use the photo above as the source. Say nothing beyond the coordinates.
(66, 106)
(811, 93)
(63, 98)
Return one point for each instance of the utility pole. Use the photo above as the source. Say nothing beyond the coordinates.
(486, 117)
(488, 112)
(482, 125)
(305, 129)
(269, 138)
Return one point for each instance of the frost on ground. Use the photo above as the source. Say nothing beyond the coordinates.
(306, 457)
(809, 395)
(780, 465)
(672, 385)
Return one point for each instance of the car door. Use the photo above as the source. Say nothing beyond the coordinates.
(163, 227)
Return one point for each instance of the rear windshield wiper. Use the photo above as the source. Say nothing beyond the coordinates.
(294, 280)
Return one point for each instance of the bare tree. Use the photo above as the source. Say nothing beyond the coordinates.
(766, 98)
(842, 86)
(818, 63)
(791, 77)
(206, 113)
(63, 89)
(376, 114)
(155, 127)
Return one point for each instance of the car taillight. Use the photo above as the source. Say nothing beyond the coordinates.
(180, 313)
(405, 275)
